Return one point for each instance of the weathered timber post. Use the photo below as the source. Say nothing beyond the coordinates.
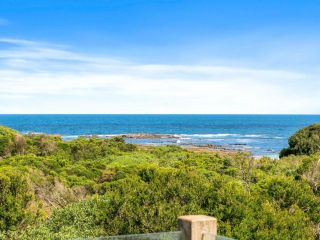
(198, 227)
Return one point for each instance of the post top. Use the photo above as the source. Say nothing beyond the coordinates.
(197, 218)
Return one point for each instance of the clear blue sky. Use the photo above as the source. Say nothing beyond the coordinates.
(159, 56)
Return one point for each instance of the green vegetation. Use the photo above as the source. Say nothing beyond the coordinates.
(305, 141)
(52, 189)
(10, 142)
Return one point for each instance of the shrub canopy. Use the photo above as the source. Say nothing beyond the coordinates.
(306, 141)
(90, 187)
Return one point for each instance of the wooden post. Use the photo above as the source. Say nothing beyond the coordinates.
(197, 227)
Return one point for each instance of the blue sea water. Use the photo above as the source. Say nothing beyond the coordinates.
(259, 134)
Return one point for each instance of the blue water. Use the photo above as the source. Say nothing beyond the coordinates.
(259, 134)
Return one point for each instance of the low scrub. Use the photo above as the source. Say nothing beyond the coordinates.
(93, 187)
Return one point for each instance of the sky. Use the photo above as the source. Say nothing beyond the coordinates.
(160, 56)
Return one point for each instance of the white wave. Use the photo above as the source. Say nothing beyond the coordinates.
(31, 132)
(69, 137)
(254, 135)
(211, 135)
(241, 140)
(107, 135)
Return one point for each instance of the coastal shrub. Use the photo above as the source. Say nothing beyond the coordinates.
(309, 170)
(93, 148)
(11, 142)
(88, 187)
(42, 144)
(148, 208)
(304, 141)
(14, 197)
(267, 221)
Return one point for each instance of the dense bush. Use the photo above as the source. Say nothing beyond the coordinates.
(11, 142)
(42, 144)
(90, 187)
(305, 141)
(14, 197)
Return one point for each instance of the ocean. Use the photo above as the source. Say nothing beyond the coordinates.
(259, 134)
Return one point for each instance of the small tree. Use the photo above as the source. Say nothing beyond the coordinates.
(11, 142)
(7, 137)
(306, 141)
